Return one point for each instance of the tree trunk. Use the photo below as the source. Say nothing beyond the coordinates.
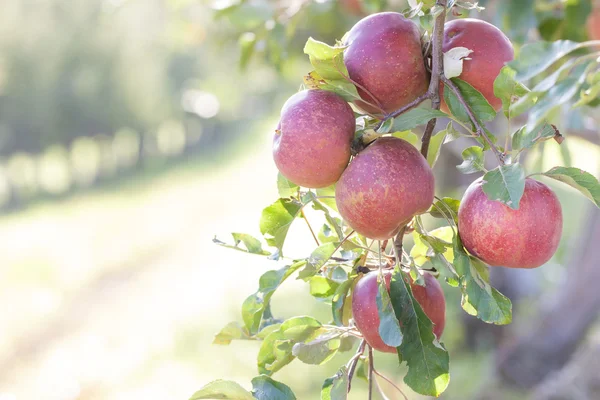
(553, 339)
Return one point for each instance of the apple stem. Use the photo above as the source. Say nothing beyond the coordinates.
(354, 362)
(479, 130)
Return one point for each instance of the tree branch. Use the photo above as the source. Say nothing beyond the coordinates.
(354, 362)
(371, 368)
(479, 130)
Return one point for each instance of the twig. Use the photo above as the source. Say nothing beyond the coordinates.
(354, 362)
(405, 108)
(437, 71)
(309, 227)
(479, 130)
(390, 382)
(398, 241)
(338, 247)
(371, 368)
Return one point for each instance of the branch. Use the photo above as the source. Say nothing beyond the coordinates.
(479, 130)
(354, 362)
(398, 243)
(437, 71)
(371, 368)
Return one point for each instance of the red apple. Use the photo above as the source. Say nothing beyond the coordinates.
(312, 143)
(384, 187)
(501, 236)
(364, 307)
(491, 50)
(593, 24)
(384, 57)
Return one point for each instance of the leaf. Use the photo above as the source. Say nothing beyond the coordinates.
(318, 258)
(247, 42)
(327, 191)
(231, 331)
(427, 359)
(276, 349)
(286, 188)
(482, 109)
(508, 89)
(409, 136)
(447, 206)
(319, 350)
(253, 245)
(276, 220)
(342, 87)
(322, 287)
(524, 138)
(335, 388)
(583, 181)
(389, 328)
(386, 126)
(435, 145)
(221, 389)
(254, 306)
(421, 249)
(416, 117)
(472, 160)
(453, 61)
(478, 297)
(534, 58)
(322, 57)
(265, 388)
(560, 93)
(505, 184)
(340, 297)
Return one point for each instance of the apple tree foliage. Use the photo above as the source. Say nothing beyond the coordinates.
(557, 73)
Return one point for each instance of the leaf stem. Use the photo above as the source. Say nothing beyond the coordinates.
(354, 362)
(338, 247)
(479, 130)
(390, 382)
(309, 227)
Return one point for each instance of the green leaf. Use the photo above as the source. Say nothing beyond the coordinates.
(253, 245)
(286, 188)
(435, 145)
(265, 388)
(221, 389)
(560, 94)
(583, 181)
(322, 287)
(525, 138)
(481, 107)
(342, 87)
(338, 301)
(472, 160)
(389, 328)
(254, 306)
(247, 42)
(335, 388)
(505, 184)
(446, 207)
(386, 126)
(409, 136)
(322, 57)
(327, 191)
(534, 58)
(318, 258)
(478, 297)
(415, 117)
(319, 350)
(427, 359)
(438, 240)
(231, 331)
(276, 220)
(508, 89)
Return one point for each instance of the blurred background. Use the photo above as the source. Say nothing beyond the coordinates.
(133, 131)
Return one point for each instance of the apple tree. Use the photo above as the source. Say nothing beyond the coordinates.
(347, 146)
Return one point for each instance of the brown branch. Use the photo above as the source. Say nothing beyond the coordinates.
(398, 244)
(371, 368)
(479, 130)
(354, 362)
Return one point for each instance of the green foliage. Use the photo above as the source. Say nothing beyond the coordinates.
(583, 181)
(335, 388)
(505, 183)
(415, 117)
(472, 160)
(479, 105)
(265, 388)
(508, 89)
(221, 389)
(389, 329)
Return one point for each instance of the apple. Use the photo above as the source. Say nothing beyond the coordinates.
(501, 236)
(491, 51)
(384, 57)
(364, 306)
(593, 24)
(385, 185)
(311, 146)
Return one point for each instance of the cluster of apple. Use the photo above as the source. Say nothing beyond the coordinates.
(389, 182)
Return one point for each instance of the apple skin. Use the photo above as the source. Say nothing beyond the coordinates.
(501, 236)
(491, 51)
(385, 185)
(364, 307)
(353, 7)
(311, 147)
(593, 24)
(384, 56)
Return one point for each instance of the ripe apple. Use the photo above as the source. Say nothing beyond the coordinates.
(364, 306)
(491, 50)
(501, 236)
(312, 143)
(384, 57)
(385, 185)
